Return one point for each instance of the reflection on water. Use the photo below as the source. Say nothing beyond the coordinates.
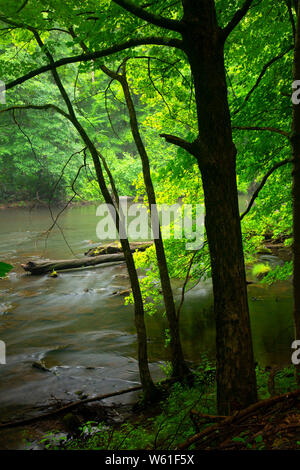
(83, 333)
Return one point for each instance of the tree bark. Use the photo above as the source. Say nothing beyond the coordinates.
(216, 155)
(295, 143)
(47, 266)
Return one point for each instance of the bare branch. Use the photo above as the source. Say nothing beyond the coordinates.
(26, 136)
(22, 6)
(40, 107)
(152, 18)
(263, 182)
(62, 173)
(258, 128)
(190, 147)
(159, 41)
(55, 219)
(291, 17)
(187, 277)
(239, 15)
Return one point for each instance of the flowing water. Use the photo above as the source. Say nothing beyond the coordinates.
(81, 329)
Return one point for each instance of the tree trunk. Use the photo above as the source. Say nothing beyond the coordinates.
(179, 366)
(216, 153)
(295, 142)
(149, 389)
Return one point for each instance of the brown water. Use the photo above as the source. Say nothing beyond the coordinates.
(84, 333)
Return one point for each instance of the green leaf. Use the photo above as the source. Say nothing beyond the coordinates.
(4, 269)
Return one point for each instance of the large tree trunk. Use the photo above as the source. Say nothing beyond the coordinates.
(216, 153)
(295, 141)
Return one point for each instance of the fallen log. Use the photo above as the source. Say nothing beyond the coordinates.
(48, 266)
(106, 254)
(67, 407)
(75, 404)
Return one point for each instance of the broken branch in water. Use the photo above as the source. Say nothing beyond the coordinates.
(69, 406)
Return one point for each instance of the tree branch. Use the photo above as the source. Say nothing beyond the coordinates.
(187, 277)
(262, 183)
(258, 128)
(41, 107)
(159, 41)
(291, 17)
(262, 73)
(190, 147)
(22, 6)
(239, 15)
(152, 18)
(237, 418)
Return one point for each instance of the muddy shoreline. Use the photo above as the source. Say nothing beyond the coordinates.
(67, 425)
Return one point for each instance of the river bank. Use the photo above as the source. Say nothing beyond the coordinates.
(30, 205)
(65, 425)
(271, 424)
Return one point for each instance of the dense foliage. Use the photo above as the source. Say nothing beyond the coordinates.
(65, 122)
(37, 146)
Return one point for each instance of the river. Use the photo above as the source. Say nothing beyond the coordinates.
(84, 333)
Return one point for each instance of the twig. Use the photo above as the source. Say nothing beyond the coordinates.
(262, 128)
(185, 284)
(262, 183)
(261, 75)
(206, 417)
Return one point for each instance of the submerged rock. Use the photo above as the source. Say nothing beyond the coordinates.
(41, 366)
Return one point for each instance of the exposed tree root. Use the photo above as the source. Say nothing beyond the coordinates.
(241, 420)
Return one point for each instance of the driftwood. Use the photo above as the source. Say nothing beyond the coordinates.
(75, 404)
(107, 254)
(69, 406)
(47, 266)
